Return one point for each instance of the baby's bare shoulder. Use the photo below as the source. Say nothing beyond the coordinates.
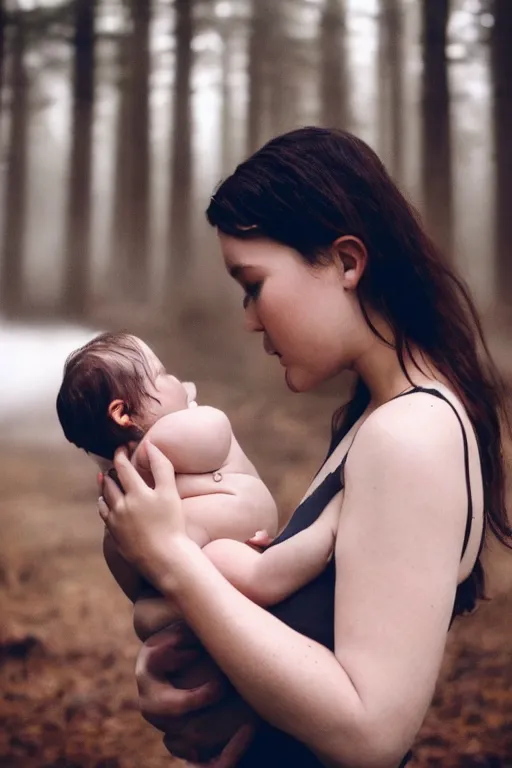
(201, 417)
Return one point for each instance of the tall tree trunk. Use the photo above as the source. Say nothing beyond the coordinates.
(180, 234)
(280, 63)
(437, 177)
(2, 45)
(16, 181)
(131, 241)
(227, 116)
(78, 237)
(256, 74)
(391, 68)
(120, 236)
(139, 187)
(502, 84)
(335, 105)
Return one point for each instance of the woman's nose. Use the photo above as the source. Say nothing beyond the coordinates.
(252, 322)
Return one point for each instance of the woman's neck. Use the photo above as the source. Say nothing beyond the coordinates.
(380, 369)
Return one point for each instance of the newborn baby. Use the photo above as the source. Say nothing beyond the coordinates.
(116, 392)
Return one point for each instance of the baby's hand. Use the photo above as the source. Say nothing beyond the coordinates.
(261, 539)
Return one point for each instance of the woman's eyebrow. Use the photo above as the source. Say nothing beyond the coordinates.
(236, 270)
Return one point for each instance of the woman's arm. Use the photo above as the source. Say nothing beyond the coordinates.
(398, 549)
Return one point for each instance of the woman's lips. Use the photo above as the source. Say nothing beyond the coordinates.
(269, 347)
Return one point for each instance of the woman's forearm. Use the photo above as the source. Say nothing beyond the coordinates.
(291, 681)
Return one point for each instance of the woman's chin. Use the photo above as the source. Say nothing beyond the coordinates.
(299, 379)
(297, 382)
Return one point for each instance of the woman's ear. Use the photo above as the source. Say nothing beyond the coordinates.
(118, 412)
(351, 256)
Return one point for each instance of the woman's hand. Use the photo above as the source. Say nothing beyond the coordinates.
(183, 693)
(145, 523)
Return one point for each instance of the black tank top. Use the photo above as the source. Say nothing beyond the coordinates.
(310, 610)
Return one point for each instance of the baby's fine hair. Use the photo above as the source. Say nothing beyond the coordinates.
(111, 366)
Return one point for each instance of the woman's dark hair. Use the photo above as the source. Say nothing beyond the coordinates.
(109, 367)
(310, 186)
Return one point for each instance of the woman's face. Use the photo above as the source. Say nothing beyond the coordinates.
(309, 318)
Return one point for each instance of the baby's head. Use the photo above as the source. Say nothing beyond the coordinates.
(114, 389)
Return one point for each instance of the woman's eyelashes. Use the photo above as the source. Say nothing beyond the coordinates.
(252, 291)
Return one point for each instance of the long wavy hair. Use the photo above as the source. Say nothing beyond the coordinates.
(305, 189)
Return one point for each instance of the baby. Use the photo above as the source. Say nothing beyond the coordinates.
(115, 392)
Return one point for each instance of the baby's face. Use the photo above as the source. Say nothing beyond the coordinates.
(172, 395)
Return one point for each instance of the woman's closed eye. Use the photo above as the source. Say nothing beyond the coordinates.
(252, 291)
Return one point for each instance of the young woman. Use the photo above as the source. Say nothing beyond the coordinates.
(338, 274)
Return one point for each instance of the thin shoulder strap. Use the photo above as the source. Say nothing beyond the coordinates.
(439, 395)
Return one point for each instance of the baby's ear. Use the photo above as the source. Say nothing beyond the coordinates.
(118, 412)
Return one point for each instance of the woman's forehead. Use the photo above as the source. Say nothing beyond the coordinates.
(241, 254)
(233, 249)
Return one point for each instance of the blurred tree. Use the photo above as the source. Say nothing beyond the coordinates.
(11, 283)
(281, 68)
(180, 235)
(258, 32)
(272, 102)
(132, 200)
(228, 31)
(122, 166)
(390, 96)
(335, 103)
(437, 179)
(139, 206)
(502, 84)
(2, 41)
(78, 240)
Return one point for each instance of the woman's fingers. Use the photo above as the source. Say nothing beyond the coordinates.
(161, 468)
(160, 703)
(235, 748)
(161, 652)
(103, 509)
(190, 747)
(112, 494)
(127, 474)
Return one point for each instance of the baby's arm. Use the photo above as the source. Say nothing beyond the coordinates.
(246, 506)
(196, 440)
(269, 577)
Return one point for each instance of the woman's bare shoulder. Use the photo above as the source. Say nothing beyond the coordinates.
(419, 422)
